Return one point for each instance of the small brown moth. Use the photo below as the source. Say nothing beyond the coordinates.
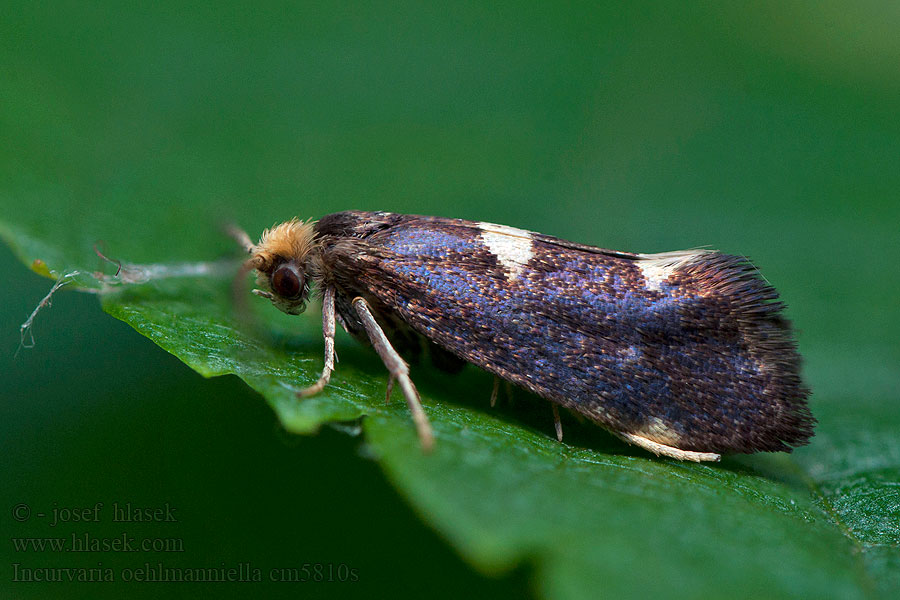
(685, 354)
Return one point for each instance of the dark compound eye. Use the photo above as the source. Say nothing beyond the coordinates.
(286, 282)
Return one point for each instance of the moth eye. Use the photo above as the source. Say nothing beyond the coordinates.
(286, 282)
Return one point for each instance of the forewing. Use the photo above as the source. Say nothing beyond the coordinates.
(686, 349)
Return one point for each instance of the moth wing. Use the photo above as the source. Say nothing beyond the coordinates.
(686, 350)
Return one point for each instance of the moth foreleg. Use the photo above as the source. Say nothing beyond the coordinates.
(328, 334)
(670, 451)
(398, 370)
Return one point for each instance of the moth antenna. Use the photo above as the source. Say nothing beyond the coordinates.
(240, 236)
(495, 391)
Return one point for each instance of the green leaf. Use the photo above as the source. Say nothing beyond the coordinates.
(145, 137)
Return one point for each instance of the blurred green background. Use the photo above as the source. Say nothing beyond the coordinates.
(766, 129)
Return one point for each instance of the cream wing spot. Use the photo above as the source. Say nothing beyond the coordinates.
(656, 268)
(512, 247)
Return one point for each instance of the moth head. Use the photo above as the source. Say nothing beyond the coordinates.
(281, 261)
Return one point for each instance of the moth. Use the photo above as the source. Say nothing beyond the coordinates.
(685, 354)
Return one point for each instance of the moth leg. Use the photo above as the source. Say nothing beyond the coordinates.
(328, 333)
(556, 422)
(508, 387)
(399, 371)
(670, 451)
